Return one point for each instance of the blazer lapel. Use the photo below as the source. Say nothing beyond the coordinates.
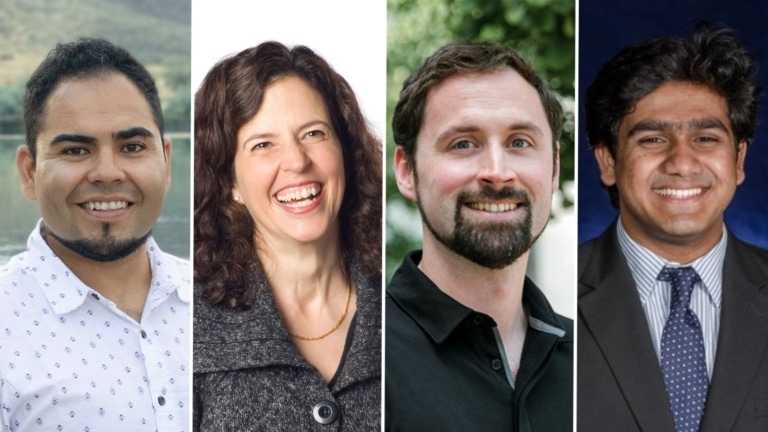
(611, 309)
(743, 337)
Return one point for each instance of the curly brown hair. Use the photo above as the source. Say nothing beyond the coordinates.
(230, 95)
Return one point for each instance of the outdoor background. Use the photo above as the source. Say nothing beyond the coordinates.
(543, 31)
(157, 33)
(606, 27)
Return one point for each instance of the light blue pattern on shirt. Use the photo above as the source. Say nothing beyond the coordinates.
(655, 295)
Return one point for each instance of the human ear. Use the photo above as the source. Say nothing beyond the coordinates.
(404, 174)
(607, 165)
(25, 163)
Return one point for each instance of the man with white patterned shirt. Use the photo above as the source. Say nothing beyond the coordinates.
(94, 318)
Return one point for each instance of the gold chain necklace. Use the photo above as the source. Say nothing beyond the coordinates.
(338, 324)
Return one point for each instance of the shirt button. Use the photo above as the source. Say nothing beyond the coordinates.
(143, 334)
(94, 295)
(496, 364)
(325, 412)
(161, 400)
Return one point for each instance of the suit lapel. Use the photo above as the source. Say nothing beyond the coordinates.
(742, 339)
(611, 309)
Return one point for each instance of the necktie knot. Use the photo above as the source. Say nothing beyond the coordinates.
(683, 279)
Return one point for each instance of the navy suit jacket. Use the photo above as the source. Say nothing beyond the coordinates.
(620, 386)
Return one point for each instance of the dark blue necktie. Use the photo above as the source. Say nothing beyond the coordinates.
(683, 362)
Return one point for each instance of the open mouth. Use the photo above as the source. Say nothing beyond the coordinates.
(300, 196)
(679, 193)
(493, 207)
(105, 205)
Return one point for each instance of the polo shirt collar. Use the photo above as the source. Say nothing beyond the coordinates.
(439, 315)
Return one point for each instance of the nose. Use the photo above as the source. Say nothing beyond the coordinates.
(107, 167)
(495, 166)
(682, 159)
(295, 157)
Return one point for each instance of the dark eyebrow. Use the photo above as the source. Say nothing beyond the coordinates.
(133, 132)
(77, 138)
(666, 126)
(524, 126)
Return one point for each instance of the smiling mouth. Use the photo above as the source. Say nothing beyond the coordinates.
(105, 205)
(679, 193)
(493, 207)
(300, 196)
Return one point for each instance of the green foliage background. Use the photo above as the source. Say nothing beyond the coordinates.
(542, 31)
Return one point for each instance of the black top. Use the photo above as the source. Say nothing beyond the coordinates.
(444, 369)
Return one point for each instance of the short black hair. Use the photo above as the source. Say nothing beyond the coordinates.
(712, 56)
(85, 57)
(458, 58)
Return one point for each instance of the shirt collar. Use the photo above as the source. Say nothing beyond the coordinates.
(66, 292)
(646, 265)
(439, 315)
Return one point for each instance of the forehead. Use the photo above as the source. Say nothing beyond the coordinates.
(678, 104)
(484, 101)
(288, 101)
(96, 104)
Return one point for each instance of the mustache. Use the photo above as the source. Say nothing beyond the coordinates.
(487, 193)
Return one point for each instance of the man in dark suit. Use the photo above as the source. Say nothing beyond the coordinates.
(673, 309)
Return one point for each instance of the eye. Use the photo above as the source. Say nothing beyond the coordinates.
(707, 139)
(651, 140)
(261, 145)
(75, 151)
(133, 147)
(463, 145)
(519, 143)
(315, 135)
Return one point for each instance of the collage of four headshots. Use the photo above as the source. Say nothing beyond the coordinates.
(443, 215)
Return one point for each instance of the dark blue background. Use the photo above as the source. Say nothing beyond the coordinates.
(605, 28)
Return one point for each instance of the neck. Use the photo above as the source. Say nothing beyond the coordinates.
(495, 292)
(303, 270)
(124, 281)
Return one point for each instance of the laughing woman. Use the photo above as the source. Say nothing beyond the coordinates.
(287, 256)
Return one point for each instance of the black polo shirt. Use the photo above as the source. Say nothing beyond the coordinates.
(444, 369)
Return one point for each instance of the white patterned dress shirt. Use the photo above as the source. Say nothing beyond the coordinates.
(70, 360)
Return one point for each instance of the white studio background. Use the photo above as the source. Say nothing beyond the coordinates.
(349, 34)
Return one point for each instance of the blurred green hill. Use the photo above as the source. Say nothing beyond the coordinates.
(156, 32)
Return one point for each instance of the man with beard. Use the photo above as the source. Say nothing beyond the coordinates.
(471, 343)
(94, 317)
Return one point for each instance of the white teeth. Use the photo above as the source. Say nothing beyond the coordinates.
(106, 205)
(299, 195)
(493, 207)
(679, 193)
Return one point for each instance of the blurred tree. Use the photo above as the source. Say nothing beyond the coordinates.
(542, 31)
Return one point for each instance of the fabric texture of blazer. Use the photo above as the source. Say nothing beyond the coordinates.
(249, 375)
(620, 385)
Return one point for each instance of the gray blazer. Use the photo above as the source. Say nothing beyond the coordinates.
(249, 376)
(620, 386)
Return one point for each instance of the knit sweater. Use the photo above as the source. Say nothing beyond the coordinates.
(249, 375)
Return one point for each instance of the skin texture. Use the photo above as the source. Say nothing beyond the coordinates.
(676, 168)
(99, 143)
(289, 145)
(482, 134)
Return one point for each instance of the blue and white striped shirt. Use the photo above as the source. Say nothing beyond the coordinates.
(655, 295)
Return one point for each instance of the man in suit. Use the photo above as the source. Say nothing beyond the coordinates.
(673, 309)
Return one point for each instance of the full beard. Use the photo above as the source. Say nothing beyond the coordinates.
(493, 245)
(105, 248)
